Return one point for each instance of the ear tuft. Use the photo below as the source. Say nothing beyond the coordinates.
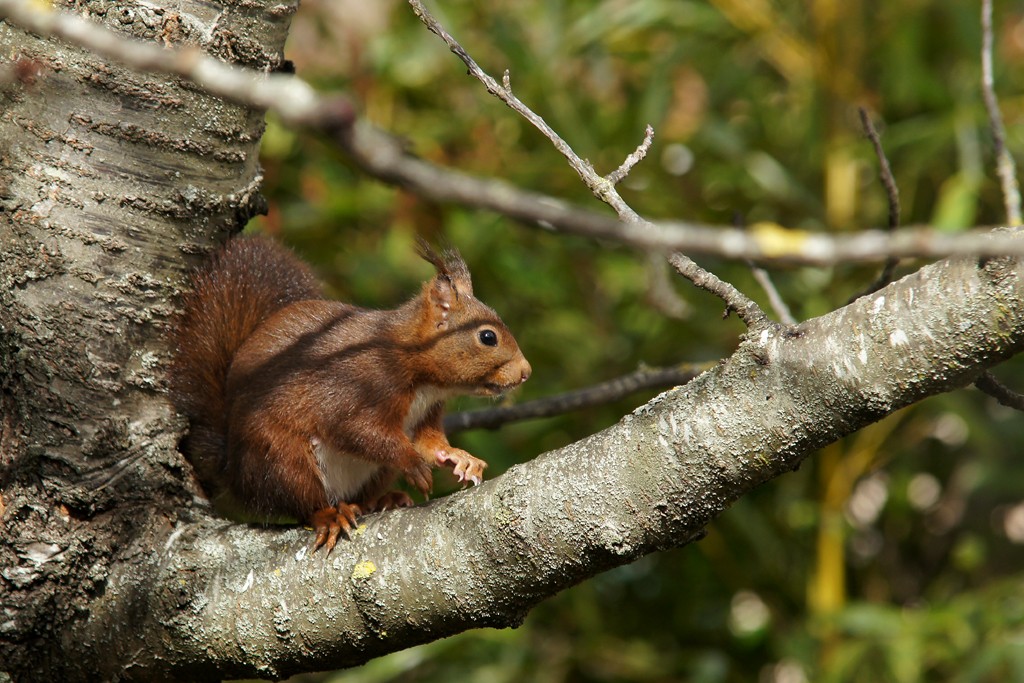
(449, 265)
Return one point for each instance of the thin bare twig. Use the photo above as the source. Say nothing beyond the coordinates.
(1006, 168)
(616, 176)
(661, 292)
(892, 191)
(603, 188)
(503, 91)
(892, 194)
(599, 394)
(764, 279)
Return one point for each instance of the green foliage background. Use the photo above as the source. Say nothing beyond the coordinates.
(895, 555)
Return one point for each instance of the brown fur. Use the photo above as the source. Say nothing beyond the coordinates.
(288, 392)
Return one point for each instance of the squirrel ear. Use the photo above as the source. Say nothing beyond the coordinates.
(451, 282)
(450, 267)
(441, 295)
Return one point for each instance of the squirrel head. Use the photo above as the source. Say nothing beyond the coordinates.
(466, 346)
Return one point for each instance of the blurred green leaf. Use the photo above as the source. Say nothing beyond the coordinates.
(931, 593)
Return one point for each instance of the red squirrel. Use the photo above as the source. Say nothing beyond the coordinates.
(310, 408)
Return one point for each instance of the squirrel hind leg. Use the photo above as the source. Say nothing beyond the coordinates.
(392, 500)
(329, 523)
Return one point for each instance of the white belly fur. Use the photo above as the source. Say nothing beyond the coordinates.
(426, 398)
(343, 475)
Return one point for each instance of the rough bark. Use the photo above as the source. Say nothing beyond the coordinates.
(112, 568)
(109, 180)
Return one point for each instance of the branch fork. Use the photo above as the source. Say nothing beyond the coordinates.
(604, 188)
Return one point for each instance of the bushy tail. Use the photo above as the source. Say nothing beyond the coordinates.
(245, 282)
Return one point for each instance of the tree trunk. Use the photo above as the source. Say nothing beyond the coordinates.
(111, 183)
(112, 566)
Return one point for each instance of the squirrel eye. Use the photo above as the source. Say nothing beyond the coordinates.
(488, 338)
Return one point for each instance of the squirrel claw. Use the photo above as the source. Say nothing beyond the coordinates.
(466, 468)
(329, 523)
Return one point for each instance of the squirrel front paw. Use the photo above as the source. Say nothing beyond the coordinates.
(466, 467)
(330, 522)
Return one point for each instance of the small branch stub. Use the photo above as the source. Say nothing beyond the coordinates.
(746, 308)
(616, 176)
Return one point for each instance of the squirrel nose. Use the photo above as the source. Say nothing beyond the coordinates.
(525, 372)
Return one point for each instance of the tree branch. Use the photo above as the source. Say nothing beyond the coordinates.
(988, 383)
(745, 307)
(1006, 170)
(386, 158)
(485, 556)
(504, 93)
(617, 176)
(550, 406)
(602, 187)
(291, 98)
(892, 192)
